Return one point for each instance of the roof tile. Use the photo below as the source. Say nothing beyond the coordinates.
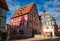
(23, 10)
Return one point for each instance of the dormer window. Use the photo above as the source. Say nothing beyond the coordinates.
(25, 7)
(18, 13)
(22, 9)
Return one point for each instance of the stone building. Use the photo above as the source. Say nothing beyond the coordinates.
(49, 26)
(3, 11)
(25, 22)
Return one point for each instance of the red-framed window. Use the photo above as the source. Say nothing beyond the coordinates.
(46, 32)
(47, 27)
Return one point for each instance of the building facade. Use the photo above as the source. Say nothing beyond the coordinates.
(40, 24)
(58, 30)
(3, 10)
(25, 21)
(49, 26)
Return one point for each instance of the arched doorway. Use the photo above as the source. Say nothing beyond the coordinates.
(35, 32)
(21, 32)
(32, 33)
(14, 32)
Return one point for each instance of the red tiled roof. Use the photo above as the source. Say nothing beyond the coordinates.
(23, 10)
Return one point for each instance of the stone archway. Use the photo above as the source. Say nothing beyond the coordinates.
(21, 32)
(14, 32)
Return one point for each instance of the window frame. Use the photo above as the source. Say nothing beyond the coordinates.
(0, 21)
(0, 11)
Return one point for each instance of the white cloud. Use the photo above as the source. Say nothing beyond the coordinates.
(40, 13)
(54, 10)
(12, 4)
(53, 4)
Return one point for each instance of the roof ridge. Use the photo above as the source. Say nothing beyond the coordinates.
(23, 10)
(25, 5)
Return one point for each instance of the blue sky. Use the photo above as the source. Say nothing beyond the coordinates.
(52, 7)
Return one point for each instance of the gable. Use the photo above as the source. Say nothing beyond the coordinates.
(23, 10)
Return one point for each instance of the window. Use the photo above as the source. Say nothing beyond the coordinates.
(18, 13)
(25, 24)
(30, 24)
(0, 21)
(44, 22)
(47, 27)
(35, 19)
(0, 33)
(23, 18)
(48, 19)
(47, 23)
(26, 17)
(0, 11)
(23, 9)
(22, 24)
(30, 17)
(53, 22)
(50, 23)
(46, 32)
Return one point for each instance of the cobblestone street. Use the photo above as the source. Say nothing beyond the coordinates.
(40, 39)
(34, 39)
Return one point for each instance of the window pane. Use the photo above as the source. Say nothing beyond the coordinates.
(0, 11)
(0, 21)
(47, 23)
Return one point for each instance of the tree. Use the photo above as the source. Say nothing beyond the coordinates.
(4, 36)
